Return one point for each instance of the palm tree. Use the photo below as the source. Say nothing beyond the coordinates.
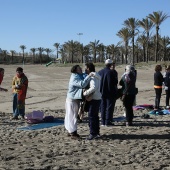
(23, 47)
(125, 35)
(57, 45)
(132, 25)
(142, 41)
(12, 55)
(112, 49)
(5, 52)
(72, 48)
(157, 18)
(147, 25)
(40, 50)
(62, 52)
(84, 52)
(93, 47)
(33, 50)
(101, 51)
(165, 42)
(47, 50)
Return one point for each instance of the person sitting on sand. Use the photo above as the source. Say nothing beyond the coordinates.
(1, 79)
(158, 80)
(94, 104)
(74, 94)
(19, 86)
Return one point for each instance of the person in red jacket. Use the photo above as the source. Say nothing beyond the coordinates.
(1, 79)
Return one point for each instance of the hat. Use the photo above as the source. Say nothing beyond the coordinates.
(108, 61)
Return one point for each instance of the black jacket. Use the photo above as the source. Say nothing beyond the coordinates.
(108, 85)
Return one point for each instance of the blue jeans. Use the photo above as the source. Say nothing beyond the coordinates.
(18, 106)
(93, 115)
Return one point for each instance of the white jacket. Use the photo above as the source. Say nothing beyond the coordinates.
(94, 87)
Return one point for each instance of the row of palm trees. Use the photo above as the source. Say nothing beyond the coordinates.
(135, 45)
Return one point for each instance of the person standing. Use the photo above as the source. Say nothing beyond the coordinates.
(74, 95)
(19, 87)
(167, 86)
(128, 83)
(108, 89)
(94, 104)
(2, 71)
(158, 80)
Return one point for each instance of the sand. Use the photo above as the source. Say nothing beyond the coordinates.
(145, 145)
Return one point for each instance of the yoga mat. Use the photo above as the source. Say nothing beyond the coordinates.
(38, 126)
(119, 119)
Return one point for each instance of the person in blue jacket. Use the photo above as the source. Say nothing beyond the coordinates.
(74, 94)
(108, 89)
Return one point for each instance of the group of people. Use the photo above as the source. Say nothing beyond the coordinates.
(19, 90)
(102, 86)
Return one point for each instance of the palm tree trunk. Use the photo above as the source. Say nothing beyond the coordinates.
(156, 49)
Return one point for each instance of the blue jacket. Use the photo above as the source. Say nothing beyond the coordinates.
(108, 85)
(76, 85)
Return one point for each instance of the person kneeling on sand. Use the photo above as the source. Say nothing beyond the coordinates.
(93, 104)
(74, 94)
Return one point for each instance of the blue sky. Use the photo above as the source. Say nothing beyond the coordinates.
(41, 23)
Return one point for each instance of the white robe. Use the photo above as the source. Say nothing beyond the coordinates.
(70, 121)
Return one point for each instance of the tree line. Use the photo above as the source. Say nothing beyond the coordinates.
(137, 44)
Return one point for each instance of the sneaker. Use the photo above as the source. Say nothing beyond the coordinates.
(129, 124)
(91, 137)
(167, 107)
(102, 125)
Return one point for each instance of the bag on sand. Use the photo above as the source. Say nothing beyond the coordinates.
(34, 117)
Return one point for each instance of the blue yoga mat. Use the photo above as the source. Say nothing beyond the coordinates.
(119, 119)
(38, 126)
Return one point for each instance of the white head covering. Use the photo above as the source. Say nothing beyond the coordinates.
(108, 61)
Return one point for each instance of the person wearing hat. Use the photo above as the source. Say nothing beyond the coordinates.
(108, 89)
(19, 87)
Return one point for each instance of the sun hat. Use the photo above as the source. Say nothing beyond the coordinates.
(108, 61)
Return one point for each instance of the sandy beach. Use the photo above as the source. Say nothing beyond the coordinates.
(144, 146)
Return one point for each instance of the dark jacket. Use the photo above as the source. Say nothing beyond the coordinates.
(167, 79)
(128, 88)
(108, 85)
(158, 79)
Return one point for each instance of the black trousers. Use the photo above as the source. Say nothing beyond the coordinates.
(167, 96)
(158, 93)
(128, 103)
(93, 116)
